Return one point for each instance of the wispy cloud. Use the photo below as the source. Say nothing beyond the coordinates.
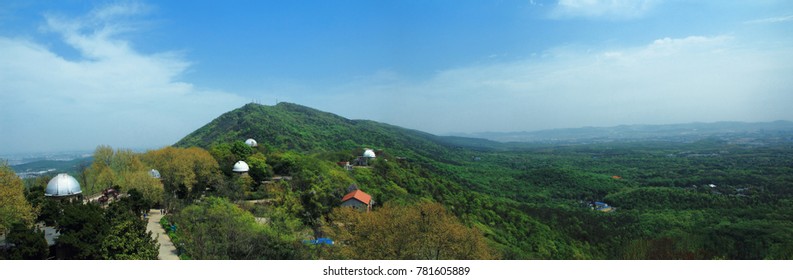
(668, 80)
(603, 9)
(770, 20)
(111, 94)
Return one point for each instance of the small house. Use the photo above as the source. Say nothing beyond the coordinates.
(359, 200)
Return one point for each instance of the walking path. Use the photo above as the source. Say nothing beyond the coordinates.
(167, 249)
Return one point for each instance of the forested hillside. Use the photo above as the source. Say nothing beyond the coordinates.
(698, 200)
(431, 197)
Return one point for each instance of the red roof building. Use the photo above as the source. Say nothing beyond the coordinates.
(358, 200)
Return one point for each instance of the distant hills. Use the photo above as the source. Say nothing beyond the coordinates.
(40, 167)
(736, 132)
(291, 126)
(295, 127)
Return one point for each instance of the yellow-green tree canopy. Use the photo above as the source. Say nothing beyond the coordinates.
(188, 167)
(122, 168)
(421, 232)
(13, 206)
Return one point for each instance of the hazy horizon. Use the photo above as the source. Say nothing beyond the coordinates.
(143, 74)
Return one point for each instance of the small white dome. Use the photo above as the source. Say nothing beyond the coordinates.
(154, 174)
(251, 142)
(240, 166)
(368, 153)
(62, 185)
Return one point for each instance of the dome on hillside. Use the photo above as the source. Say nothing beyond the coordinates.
(154, 173)
(369, 153)
(240, 166)
(62, 185)
(251, 142)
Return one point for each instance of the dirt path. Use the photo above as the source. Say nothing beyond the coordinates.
(167, 249)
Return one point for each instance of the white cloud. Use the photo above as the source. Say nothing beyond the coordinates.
(771, 20)
(669, 80)
(608, 9)
(112, 94)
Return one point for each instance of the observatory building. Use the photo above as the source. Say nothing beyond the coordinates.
(155, 174)
(369, 153)
(62, 186)
(240, 167)
(252, 143)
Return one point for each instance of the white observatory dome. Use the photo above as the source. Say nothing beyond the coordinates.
(251, 142)
(62, 185)
(154, 174)
(240, 166)
(368, 153)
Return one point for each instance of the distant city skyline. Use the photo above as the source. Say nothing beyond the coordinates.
(143, 74)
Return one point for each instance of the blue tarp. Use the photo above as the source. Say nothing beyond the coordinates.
(318, 241)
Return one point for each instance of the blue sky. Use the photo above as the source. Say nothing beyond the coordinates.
(139, 74)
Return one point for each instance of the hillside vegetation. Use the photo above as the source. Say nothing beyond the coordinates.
(444, 197)
(534, 202)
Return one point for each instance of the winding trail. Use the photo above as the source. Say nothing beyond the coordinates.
(167, 249)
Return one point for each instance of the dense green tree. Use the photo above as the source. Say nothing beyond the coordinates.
(82, 228)
(218, 229)
(259, 170)
(28, 243)
(127, 238)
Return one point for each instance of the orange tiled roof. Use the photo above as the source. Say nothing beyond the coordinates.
(359, 195)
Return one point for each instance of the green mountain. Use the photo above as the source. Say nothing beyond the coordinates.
(288, 126)
(432, 170)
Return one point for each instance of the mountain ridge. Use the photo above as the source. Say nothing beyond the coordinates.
(296, 127)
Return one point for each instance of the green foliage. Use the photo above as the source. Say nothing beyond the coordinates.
(29, 243)
(13, 206)
(420, 232)
(186, 173)
(259, 170)
(218, 229)
(83, 228)
(529, 201)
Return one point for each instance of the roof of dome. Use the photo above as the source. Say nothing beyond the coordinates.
(240, 166)
(251, 142)
(368, 153)
(62, 185)
(154, 173)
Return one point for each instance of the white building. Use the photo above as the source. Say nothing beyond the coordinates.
(240, 167)
(62, 185)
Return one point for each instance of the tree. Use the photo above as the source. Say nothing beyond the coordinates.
(424, 231)
(150, 188)
(14, 208)
(241, 150)
(99, 175)
(193, 168)
(83, 228)
(259, 170)
(218, 229)
(29, 243)
(127, 238)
